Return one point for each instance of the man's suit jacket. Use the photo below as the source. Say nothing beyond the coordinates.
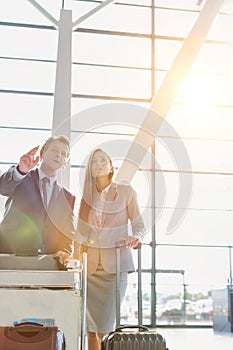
(27, 223)
(121, 206)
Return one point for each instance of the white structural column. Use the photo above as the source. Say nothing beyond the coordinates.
(62, 94)
(169, 90)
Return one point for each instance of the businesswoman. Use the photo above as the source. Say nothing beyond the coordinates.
(105, 211)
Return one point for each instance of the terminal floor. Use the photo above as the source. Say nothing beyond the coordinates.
(196, 339)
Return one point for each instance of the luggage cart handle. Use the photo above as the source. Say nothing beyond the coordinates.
(140, 328)
(84, 301)
(121, 244)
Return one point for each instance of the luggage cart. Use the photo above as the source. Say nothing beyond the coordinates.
(44, 294)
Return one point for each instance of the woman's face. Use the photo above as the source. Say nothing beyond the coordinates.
(100, 165)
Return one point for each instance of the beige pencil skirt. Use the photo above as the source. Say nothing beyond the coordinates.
(101, 300)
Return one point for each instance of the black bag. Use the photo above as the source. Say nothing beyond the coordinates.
(31, 336)
(131, 337)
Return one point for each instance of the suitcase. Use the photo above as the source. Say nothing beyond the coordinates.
(31, 336)
(131, 337)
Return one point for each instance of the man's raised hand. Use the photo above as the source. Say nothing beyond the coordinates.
(28, 161)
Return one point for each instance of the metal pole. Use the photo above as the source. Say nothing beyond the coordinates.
(153, 237)
(153, 178)
(84, 301)
(118, 286)
(140, 285)
(230, 269)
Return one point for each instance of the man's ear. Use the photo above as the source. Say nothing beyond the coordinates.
(41, 153)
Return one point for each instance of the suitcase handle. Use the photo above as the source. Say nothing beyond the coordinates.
(140, 328)
(28, 324)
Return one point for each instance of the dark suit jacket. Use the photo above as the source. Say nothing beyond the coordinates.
(27, 224)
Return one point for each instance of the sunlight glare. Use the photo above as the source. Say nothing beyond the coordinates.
(197, 90)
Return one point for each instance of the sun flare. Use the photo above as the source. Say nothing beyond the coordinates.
(196, 90)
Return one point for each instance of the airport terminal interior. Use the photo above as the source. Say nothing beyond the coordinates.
(109, 74)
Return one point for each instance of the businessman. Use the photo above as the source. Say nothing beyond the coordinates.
(39, 211)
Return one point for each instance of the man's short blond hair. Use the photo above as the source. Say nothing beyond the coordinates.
(61, 138)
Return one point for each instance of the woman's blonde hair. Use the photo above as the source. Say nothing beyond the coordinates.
(89, 187)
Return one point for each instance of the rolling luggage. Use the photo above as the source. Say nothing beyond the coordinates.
(131, 337)
(31, 336)
(138, 338)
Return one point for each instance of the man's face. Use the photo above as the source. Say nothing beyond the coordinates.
(55, 155)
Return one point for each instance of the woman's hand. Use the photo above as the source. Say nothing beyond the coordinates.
(132, 242)
(63, 257)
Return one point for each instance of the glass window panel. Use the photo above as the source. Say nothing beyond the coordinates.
(212, 58)
(146, 254)
(146, 213)
(174, 23)
(169, 293)
(3, 168)
(24, 12)
(208, 191)
(17, 142)
(121, 18)
(192, 5)
(227, 7)
(75, 186)
(166, 52)
(204, 155)
(222, 28)
(141, 182)
(201, 90)
(112, 50)
(111, 82)
(215, 59)
(181, 4)
(210, 270)
(136, 2)
(81, 104)
(195, 122)
(107, 117)
(30, 76)
(2, 206)
(210, 227)
(102, 117)
(80, 8)
(112, 144)
(26, 111)
(28, 43)
(116, 147)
